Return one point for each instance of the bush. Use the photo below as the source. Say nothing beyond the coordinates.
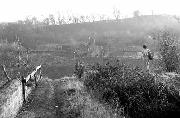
(168, 50)
(120, 86)
(9, 57)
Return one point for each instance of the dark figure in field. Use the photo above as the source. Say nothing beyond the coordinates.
(147, 56)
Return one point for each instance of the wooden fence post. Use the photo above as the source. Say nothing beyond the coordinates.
(23, 88)
(35, 79)
(23, 80)
(40, 73)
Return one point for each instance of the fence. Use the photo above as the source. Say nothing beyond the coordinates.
(8, 79)
(30, 79)
(15, 93)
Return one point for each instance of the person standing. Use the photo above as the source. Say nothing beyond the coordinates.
(147, 57)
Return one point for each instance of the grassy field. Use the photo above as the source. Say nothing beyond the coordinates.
(56, 72)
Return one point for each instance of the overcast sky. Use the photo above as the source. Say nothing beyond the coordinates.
(13, 10)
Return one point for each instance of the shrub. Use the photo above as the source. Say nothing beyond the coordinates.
(120, 86)
(9, 57)
(168, 50)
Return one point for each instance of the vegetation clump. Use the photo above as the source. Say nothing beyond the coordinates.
(168, 48)
(137, 92)
(14, 59)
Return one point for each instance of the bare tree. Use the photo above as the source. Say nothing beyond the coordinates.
(35, 23)
(116, 13)
(88, 18)
(46, 21)
(34, 20)
(52, 19)
(102, 17)
(136, 13)
(70, 19)
(60, 20)
(82, 18)
(93, 17)
(5, 72)
(20, 22)
(28, 21)
(75, 19)
(177, 18)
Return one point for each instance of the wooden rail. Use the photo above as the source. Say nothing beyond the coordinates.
(33, 78)
(30, 76)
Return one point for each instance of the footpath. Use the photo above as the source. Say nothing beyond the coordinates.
(40, 103)
(62, 98)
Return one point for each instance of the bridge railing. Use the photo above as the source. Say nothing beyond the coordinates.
(34, 73)
(15, 93)
(31, 80)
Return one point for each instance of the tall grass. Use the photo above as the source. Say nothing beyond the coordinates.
(121, 86)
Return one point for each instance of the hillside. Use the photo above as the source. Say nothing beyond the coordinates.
(129, 31)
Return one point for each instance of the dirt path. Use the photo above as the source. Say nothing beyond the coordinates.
(41, 103)
(74, 102)
(62, 98)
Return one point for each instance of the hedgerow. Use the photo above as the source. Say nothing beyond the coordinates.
(123, 86)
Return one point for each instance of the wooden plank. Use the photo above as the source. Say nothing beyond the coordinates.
(27, 78)
(33, 73)
(30, 76)
(38, 67)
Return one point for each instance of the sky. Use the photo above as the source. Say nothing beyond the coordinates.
(13, 10)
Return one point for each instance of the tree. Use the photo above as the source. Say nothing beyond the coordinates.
(177, 18)
(116, 13)
(102, 17)
(168, 50)
(93, 18)
(34, 20)
(52, 19)
(75, 19)
(28, 21)
(82, 19)
(20, 22)
(70, 19)
(136, 13)
(60, 20)
(46, 21)
(88, 18)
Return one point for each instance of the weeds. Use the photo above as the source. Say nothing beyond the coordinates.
(121, 86)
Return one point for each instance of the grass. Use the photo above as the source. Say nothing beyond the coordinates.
(56, 72)
(77, 103)
(129, 87)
